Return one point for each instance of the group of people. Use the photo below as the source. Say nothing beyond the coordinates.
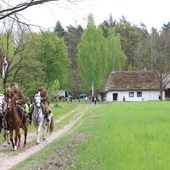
(25, 107)
(92, 99)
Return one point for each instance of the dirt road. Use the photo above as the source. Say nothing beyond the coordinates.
(10, 158)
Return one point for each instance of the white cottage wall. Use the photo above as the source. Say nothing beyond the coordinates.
(146, 95)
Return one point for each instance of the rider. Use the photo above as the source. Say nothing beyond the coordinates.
(44, 101)
(27, 105)
(20, 102)
(7, 96)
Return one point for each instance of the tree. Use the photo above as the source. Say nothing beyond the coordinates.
(92, 56)
(130, 37)
(161, 56)
(72, 39)
(59, 29)
(166, 26)
(53, 55)
(53, 90)
(14, 46)
(117, 58)
(107, 24)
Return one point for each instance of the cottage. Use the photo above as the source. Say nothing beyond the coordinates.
(132, 86)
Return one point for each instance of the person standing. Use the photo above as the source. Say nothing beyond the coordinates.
(86, 100)
(95, 100)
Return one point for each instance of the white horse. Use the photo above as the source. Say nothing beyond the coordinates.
(37, 115)
(3, 124)
(48, 126)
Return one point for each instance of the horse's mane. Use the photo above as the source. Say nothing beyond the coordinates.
(37, 94)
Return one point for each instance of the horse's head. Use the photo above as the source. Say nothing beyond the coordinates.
(37, 99)
(12, 101)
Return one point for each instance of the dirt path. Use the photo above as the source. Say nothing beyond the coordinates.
(8, 160)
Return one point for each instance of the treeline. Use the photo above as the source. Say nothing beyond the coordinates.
(81, 59)
(111, 46)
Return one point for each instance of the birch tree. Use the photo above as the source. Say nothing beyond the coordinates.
(92, 56)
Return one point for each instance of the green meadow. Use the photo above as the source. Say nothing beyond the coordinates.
(114, 136)
(128, 136)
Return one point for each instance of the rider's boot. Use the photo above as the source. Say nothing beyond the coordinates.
(6, 126)
(48, 115)
(30, 115)
(1, 119)
(24, 120)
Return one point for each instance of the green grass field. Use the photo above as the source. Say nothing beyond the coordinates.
(115, 136)
(129, 136)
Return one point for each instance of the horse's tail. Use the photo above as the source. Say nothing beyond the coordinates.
(51, 125)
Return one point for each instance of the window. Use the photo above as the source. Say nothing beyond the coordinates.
(139, 94)
(131, 94)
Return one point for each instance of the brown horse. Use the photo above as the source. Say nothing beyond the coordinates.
(15, 123)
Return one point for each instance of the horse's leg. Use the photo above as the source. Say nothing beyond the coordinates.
(7, 135)
(43, 126)
(19, 137)
(39, 131)
(47, 130)
(25, 136)
(38, 134)
(16, 137)
(4, 136)
(11, 138)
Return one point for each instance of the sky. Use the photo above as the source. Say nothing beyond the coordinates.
(153, 13)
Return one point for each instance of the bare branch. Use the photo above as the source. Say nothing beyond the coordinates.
(20, 7)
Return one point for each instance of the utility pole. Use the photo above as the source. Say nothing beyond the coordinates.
(92, 89)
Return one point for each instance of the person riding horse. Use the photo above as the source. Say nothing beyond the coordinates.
(7, 97)
(44, 101)
(20, 102)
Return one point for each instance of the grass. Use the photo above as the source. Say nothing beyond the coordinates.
(129, 136)
(120, 135)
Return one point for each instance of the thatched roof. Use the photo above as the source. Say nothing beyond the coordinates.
(132, 80)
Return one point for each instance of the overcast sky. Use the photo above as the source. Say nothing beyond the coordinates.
(153, 13)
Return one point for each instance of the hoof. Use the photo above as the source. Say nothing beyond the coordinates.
(4, 145)
(37, 142)
(15, 148)
(45, 139)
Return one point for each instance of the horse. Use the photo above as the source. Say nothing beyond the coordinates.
(48, 126)
(15, 123)
(37, 115)
(3, 127)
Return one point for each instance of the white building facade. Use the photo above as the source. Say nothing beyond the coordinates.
(132, 95)
(132, 86)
